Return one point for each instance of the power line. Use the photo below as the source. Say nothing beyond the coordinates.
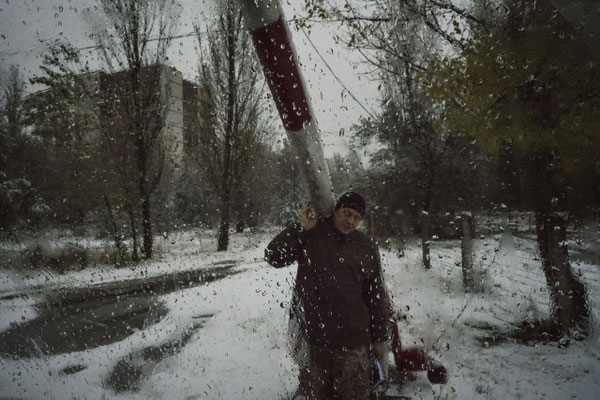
(98, 46)
(181, 36)
(198, 33)
(337, 78)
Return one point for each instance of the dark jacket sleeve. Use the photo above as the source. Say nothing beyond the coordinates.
(286, 247)
(377, 301)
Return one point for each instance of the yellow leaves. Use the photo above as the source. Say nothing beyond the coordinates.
(536, 90)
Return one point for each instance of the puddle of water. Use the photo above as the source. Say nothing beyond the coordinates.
(130, 372)
(72, 369)
(227, 262)
(84, 318)
(68, 328)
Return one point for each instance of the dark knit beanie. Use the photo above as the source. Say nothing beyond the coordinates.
(352, 200)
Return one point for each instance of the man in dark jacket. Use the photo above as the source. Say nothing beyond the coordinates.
(341, 293)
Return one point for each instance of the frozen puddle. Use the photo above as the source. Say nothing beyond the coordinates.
(130, 372)
(86, 318)
(76, 327)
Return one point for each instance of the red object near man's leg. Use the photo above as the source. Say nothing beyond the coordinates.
(416, 359)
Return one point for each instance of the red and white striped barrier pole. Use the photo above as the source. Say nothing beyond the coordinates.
(272, 40)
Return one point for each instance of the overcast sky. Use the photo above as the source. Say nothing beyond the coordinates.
(24, 22)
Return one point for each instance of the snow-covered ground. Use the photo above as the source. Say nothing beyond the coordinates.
(232, 332)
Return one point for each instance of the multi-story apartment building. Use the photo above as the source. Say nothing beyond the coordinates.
(173, 103)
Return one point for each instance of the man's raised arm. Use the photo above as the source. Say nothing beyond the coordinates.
(286, 247)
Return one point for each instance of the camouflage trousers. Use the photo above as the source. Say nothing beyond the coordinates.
(342, 374)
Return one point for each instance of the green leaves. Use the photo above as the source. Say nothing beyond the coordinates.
(53, 111)
(534, 87)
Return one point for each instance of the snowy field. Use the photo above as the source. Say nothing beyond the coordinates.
(227, 339)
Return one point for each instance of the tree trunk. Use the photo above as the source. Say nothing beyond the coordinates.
(115, 231)
(142, 156)
(239, 226)
(402, 233)
(144, 189)
(223, 240)
(371, 224)
(135, 257)
(568, 295)
(426, 223)
(401, 246)
(467, 251)
(146, 227)
(425, 239)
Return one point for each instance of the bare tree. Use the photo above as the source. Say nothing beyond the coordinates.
(59, 127)
(368, 22)
(232, 121)
(421, 152)
(11, 122)
(133, 37)
(490, 97)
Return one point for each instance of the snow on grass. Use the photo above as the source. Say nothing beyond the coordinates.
(240, 352)
(454, 324)
(175, 252)
(235, 328)
(16, 310)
